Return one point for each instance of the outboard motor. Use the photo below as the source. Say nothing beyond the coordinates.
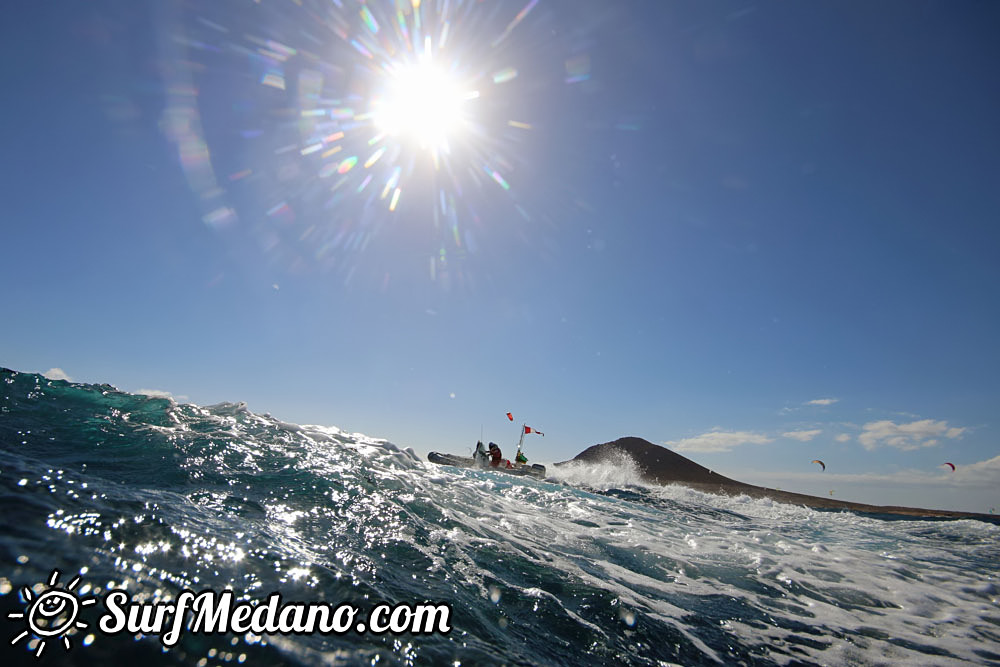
(481, 456)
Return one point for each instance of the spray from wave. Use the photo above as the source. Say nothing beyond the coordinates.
(617, 470)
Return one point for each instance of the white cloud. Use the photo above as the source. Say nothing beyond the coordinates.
(914, 435)
(802, 436)
(717, 440)
(57, 374)
(983, 472)
(822, 401)
(843, 437)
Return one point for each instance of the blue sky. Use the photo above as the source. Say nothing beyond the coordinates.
(757, 233)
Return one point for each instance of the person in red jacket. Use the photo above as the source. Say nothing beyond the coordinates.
(495, 455)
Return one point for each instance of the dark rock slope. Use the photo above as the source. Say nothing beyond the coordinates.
(659, 465)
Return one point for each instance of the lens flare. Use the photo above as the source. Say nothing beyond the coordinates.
(422, 102)
(335, 109)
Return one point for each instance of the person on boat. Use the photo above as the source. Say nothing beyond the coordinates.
(495, 455)
(520, 458)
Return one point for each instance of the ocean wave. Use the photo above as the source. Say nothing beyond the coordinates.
(590, 566)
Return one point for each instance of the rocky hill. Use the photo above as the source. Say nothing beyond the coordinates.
(659, 465)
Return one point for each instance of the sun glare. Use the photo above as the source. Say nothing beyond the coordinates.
(358, 116)
(422, 103)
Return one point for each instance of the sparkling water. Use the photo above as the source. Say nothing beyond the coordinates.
(590, 566)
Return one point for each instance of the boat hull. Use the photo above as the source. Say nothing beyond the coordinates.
(535, 470)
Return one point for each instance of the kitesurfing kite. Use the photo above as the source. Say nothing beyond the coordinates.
(947, 463)
(819, 462)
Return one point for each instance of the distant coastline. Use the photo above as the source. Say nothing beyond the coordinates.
(659, 465)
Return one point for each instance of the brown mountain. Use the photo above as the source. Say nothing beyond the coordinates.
(659, 465)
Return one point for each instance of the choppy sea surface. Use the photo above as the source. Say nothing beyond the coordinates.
(137, 493)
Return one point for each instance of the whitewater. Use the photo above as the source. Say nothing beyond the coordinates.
(141, 494)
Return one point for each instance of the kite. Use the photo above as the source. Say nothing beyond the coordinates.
(819, 462)
(947, 463)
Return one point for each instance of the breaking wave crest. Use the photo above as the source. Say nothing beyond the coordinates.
(618, 470)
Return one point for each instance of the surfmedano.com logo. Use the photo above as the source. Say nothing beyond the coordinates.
(53, 614)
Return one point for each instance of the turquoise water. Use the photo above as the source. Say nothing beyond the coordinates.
(141, 494)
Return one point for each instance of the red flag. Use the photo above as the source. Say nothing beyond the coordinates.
(510, 416)
(528, 429)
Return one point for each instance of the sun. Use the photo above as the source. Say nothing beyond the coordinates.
(422, 102)
(53, 613)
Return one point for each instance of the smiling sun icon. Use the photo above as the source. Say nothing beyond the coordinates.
(52, 613)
